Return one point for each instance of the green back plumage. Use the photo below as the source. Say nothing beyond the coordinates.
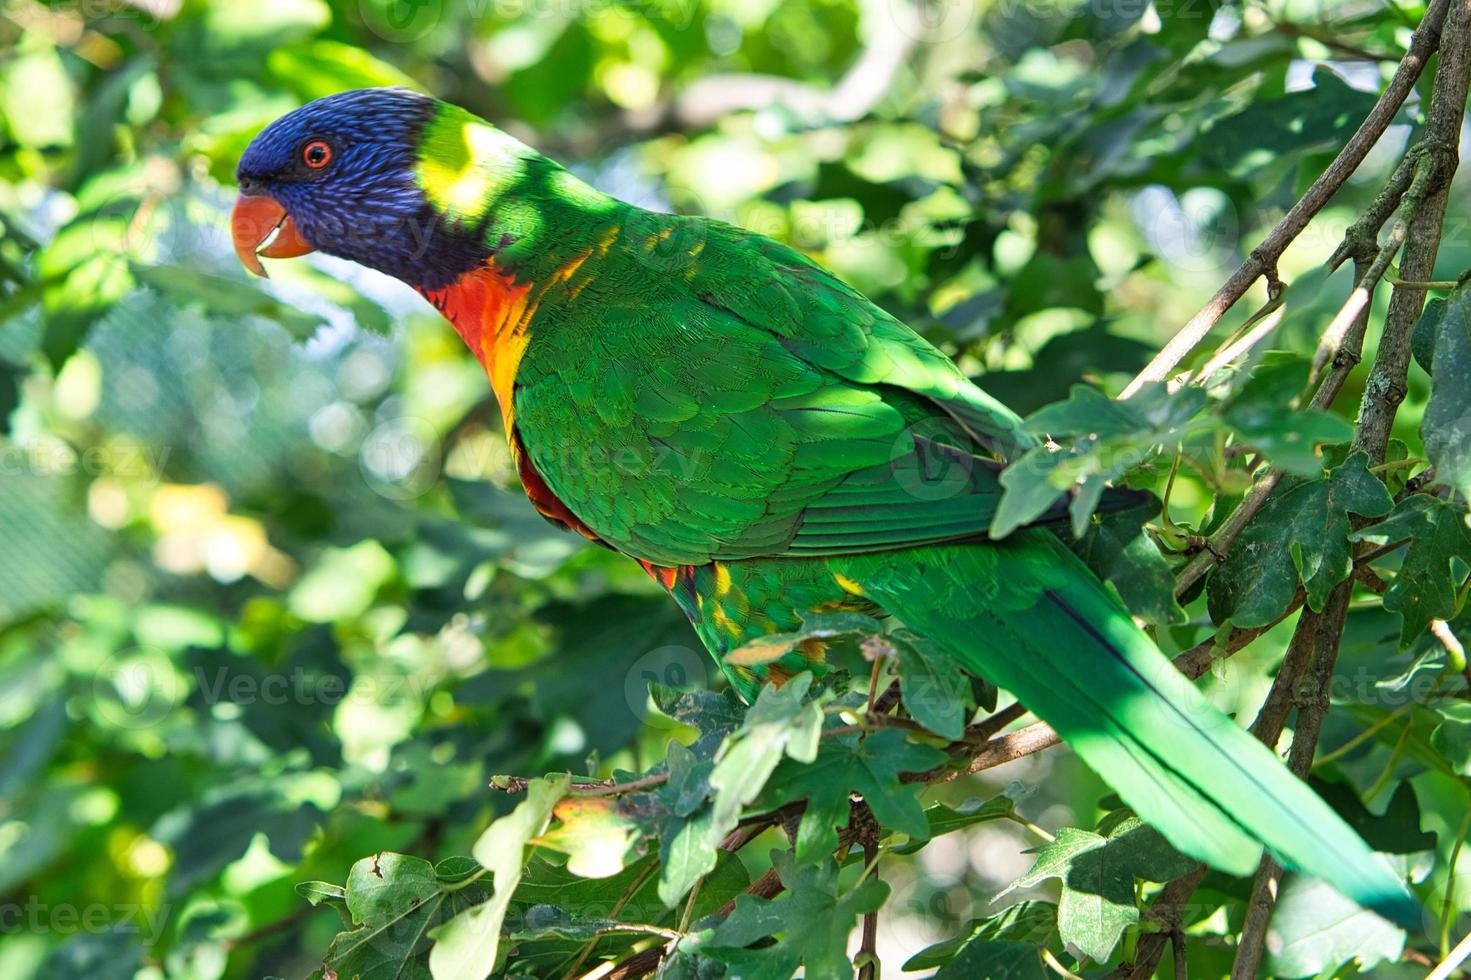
(726, 398)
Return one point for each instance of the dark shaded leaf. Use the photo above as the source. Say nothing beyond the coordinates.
(812, 920)
(847, 765)
(1301, 535)
(1446, 426)
(1426, 586)
(1098, 873)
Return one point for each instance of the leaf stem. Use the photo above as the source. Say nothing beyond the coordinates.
(1448, 909)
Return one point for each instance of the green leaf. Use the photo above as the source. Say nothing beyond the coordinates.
(689, 780)
(1259, 414)
(1025, 922)
(1315, 930)
(995, 960)
(847, 765)
(778, 724)
(933, 686)
(227, 297)
(322, 67)
(1101, 438)
(1098, 873)
(593, 834)
(96, 956)
(322, 893)
(1446, 425)
(1426, 586)
(1395, 831)
(465, 948)
(85, 293)
(812, 920)
(343, 583)
(11, 376)
(1426, 333)
(1452, 737)
(219, 827)
(395, 900)
(945, 819)
(1048, 281)
(1118, 552)
(1301, 535)
(1267, 131)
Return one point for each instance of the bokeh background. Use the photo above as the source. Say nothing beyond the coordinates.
(270, 598)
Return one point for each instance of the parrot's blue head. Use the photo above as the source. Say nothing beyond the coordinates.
(341, 175)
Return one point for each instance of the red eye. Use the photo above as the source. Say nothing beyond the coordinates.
(316, 154)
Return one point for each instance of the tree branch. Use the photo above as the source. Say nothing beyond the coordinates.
(1345, 337)
(1426, 197)
(1263, 259)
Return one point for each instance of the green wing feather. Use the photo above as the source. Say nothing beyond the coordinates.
(755, 406)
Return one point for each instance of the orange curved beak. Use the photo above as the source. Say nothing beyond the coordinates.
(260, 226)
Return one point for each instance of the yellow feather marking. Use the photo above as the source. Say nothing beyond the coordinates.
(464, 162)
(722, 579)
(814, 650)
(847, 584)
(724, 622)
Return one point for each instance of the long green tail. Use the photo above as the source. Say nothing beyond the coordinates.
(1027, 615)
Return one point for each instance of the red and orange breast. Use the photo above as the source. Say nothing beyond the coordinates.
(492, 313)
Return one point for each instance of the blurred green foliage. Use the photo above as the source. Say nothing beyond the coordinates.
(273, 611)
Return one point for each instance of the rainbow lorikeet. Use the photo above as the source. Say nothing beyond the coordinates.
(767, 443)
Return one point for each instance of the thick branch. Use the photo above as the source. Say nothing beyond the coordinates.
(1386, 388)
(1317, 634)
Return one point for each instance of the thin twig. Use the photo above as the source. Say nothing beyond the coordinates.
(1263, 258)
(1350, 325)
(600, 787)
(1258, 328)
(867, 958)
